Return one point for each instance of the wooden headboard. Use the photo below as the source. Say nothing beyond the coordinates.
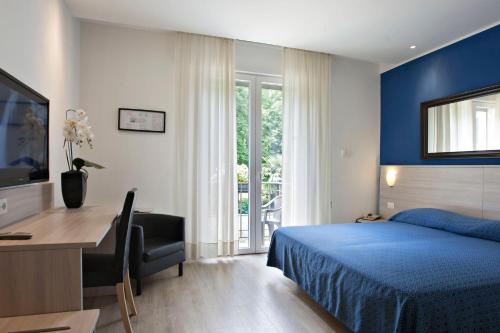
(470, 190)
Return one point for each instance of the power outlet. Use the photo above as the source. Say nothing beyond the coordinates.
(390, 205)
(3, 206)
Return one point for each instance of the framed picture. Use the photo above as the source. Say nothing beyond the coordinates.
(141, 120)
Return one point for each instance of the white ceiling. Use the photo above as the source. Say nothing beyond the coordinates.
(375, 30)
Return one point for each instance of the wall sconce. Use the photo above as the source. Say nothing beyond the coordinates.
(390, 177)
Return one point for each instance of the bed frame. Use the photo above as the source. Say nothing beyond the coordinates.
(470, 190)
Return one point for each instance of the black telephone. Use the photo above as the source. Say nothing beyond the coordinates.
(369, 217)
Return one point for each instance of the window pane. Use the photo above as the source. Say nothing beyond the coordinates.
(242, 169)
(271, 159)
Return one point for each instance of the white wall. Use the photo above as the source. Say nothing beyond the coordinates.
(127, 67)
(258, 58)
(356, 128)
(123, 67)
(39, 45)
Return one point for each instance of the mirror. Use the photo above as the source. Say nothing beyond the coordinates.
(465, 125)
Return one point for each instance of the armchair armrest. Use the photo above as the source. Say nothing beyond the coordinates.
(136, 248)
(161, 225)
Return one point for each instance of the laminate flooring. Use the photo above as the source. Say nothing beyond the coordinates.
(235, 294)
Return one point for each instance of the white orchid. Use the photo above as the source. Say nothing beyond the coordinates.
(76, 131)
(33, 124)
(81, 113)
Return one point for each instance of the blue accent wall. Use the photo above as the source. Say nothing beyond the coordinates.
(469, 64)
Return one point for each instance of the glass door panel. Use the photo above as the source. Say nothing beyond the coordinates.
(271, 161)
(242, 99)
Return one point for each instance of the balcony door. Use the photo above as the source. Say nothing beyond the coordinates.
(259, 147)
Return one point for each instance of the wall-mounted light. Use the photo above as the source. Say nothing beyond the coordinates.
(390, 177)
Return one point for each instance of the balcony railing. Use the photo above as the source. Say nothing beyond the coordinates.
(269, 191)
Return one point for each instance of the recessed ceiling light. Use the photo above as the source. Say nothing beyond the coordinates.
(413, 46)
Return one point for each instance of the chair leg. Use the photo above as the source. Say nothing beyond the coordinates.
(180, 269)
(130, 296)
(138, 287)
(120, 295)
(271, 229)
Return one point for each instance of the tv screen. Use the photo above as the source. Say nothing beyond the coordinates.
(24, 133)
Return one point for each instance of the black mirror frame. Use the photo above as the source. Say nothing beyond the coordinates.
(424, 107)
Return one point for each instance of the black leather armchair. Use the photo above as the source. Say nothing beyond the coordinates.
(157, 243)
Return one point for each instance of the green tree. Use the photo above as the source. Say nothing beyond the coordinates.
(242, 124)
(271, 130)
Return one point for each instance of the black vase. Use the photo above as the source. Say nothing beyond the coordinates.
(74, 188)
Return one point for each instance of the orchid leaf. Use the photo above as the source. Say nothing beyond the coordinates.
(80, 163)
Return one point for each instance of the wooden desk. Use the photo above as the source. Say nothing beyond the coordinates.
(44, 274)
(77, 321)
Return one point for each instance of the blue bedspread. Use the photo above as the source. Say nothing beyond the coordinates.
(417, 273)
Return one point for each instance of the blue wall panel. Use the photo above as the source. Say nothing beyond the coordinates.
(469, 64)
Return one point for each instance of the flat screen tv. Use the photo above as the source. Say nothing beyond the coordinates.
(24, 133)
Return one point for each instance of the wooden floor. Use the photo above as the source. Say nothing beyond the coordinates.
(238, 294)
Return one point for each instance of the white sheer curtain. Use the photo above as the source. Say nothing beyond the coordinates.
(451, 127)
(307, 140)
(205, 155)
(461, 126)
(494, 123)
(465, 126)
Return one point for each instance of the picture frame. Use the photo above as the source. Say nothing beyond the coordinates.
(140, 120)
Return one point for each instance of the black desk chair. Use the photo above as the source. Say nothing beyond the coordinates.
(157, 243)
(112, 269)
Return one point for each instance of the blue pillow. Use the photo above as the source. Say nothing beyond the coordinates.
(452, 222)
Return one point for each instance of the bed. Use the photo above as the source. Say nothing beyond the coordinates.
(425, 270)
